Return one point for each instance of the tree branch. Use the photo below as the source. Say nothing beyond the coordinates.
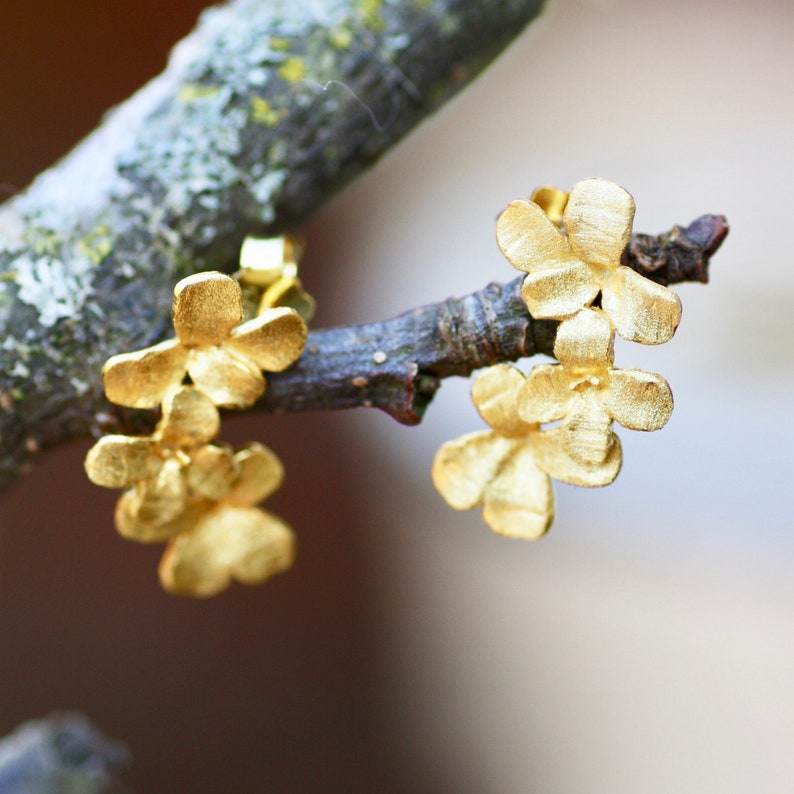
(398, 365)
(60, 753)
(264, 111)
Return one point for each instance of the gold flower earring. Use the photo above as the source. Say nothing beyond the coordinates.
(496, 468)
(178, 487)
(570, 246)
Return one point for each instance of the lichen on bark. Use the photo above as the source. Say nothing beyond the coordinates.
(263, 112)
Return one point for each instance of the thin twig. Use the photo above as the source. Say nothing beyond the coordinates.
(398, 365)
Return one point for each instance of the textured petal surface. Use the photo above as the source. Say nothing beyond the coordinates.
(211, 472)
(139, 379)
(641, 310)
(519, 502)
(273, 340)
(586, 431)
(546, 396)
(584, 342)
(260, 473)
(227, 378)
(638, 400)
(241, 543)
(598, 218)
(560, 292)
(462, 468)
(552, 457)
(206, 308)
(494, 393)
(189, 419)
(529, 240)
(551, 200)
(288, 292)
(132, 525)
(162, 498)
(122, 461)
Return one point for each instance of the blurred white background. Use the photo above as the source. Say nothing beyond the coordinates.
(647, 643)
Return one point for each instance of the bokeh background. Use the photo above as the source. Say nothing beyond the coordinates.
(646, 644)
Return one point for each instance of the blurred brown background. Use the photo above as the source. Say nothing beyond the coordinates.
(647, 644)
(259, 690)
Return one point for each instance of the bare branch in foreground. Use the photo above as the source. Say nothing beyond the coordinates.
(398, 365)
(264, 112)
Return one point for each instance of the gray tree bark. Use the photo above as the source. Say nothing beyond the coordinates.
(61, 753)
(264, 111)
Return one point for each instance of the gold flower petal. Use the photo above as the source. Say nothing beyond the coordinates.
(638, 400)
(206, 308)
(121, 461)
(529, 240)
(241, 543)
(260, 474)
(263, 260)
(586, 431)
(598, 218)
(189, 419)
(273, 340)
(584, 342)
(546, 396)
(139, 379)
(552, 457)
(161, 498)
(132, 525)
(559, 292)
(551, 200)
(211, 472)
(519, 502)
(463, 467)
(494, 393)
(641, 310)
(288, 291)
(227, 378)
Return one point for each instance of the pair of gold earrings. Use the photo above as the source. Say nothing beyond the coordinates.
(557, 422)
(179, 487)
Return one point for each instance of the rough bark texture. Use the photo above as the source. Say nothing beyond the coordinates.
(264, 111)
(61, 753)
(398, 365)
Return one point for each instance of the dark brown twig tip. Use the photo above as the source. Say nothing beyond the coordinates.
(682, 254)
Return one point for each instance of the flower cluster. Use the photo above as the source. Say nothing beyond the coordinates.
(180, 488)
(496, 468)
(223, 356)
(570, 247)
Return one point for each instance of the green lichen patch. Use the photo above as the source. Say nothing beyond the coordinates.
(42, 239)
(262, 112)
(370, 13)
(190, 92)
(293, 70)
(97, 245)
(341, 37)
